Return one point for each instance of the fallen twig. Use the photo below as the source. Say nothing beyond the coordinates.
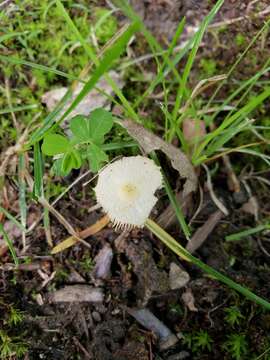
(77, 293)
(63, 221)
(151, 322)
(203, 232)
(72, 240)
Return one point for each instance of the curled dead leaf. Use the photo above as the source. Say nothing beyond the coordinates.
(150, 142)
(93, 100)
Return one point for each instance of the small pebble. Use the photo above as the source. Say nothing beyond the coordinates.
(96, 316)
(178, 277)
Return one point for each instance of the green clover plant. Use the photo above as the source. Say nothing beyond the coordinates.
(85, 143)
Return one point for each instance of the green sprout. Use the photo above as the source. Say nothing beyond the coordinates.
(236, 346)
(233, 316)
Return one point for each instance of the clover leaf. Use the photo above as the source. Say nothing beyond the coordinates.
(71, 160)
(87, 137)
(55, 144)
(96, 157)
(92, 128)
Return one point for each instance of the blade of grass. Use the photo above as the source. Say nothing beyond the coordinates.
(183, 84)
(172, 244)
(243, 234)
(22, 196)
(46, 216)
(177, 209)
(103, 66)
(217, 143)
(9, 245)
(118, 145)
(49, 120)
(240, 114)
(154, 45)
(18, 108)
(12, 218)
(11, 35)
(264, 157)
(239, 59)
(17, 61)
(246, 84)
(38, 190)
(165, 107)
(109, 56)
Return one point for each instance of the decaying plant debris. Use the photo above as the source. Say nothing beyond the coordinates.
(149, 142)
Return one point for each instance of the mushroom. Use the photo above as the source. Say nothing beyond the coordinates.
(126, 190)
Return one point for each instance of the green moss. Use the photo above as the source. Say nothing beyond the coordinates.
(236, 346)
(37, 32)
(11, 346)
(240, 40)
(209, 67)
(105, 25)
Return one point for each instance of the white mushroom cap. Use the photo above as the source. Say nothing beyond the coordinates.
(126, 188)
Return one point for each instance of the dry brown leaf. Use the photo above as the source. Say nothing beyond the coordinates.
(93, 100)
(193, 130)
(150, 142)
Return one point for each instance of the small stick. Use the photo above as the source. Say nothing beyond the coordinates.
(203, 232)
(82, 348)
(215, 199)
(91, 230)
(62, 220)
(234, 183)
(152, 323)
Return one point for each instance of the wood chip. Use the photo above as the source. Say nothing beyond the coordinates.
(204, 231)
(103, 261)
(78, 294)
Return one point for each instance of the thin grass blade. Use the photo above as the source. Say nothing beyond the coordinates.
(17, 61)
(22, 196)
(38, 190)
(172, 244)
(9, 245)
